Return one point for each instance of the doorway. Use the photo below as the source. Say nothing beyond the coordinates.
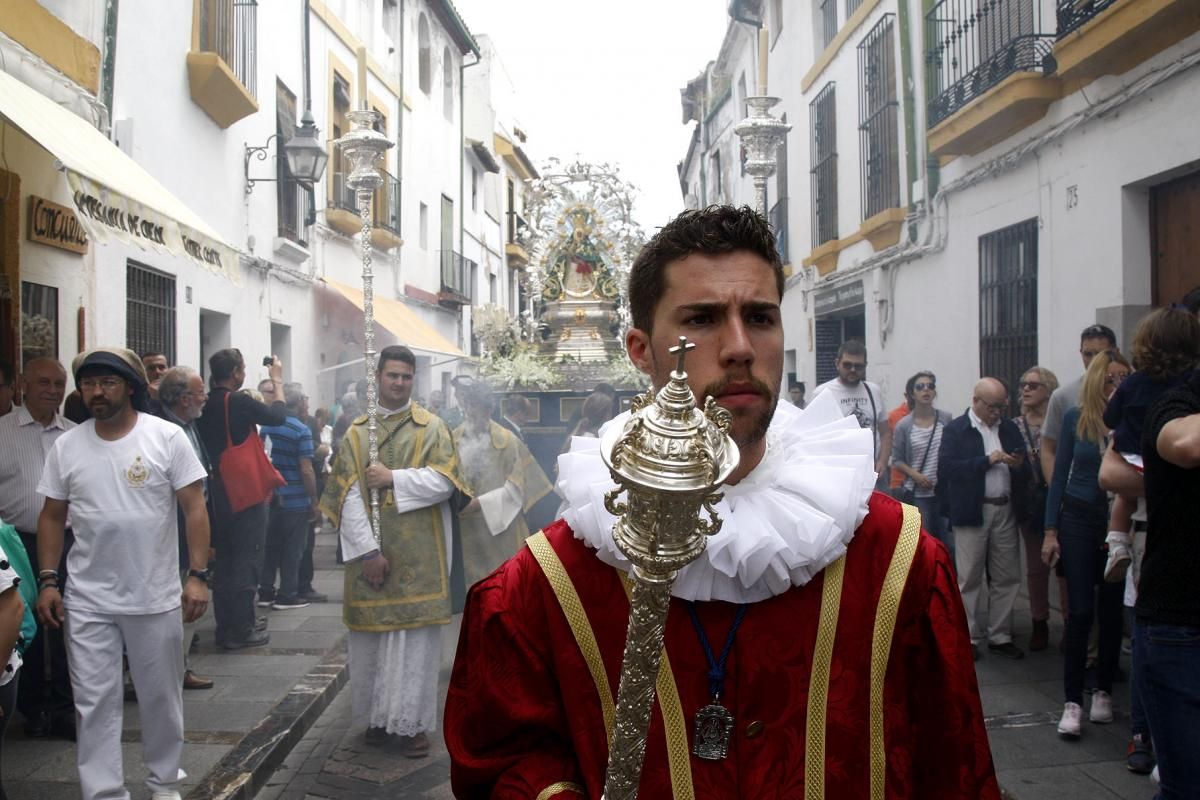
(1174, 239)
(214, 336)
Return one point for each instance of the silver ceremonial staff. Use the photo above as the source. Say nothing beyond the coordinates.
(668, 458)
(362, 148)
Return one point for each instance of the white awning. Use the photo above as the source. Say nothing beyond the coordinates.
(113, 195)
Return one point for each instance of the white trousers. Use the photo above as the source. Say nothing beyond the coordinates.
(994, 547)
(153, 644)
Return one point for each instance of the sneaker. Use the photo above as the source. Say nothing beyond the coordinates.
(314, 597)
(166, 794)
(255, 639)
(1101, 712)
(284, 603)
(265, 601)
(1071, 722)
(1140, 756)
(1007, 649)
(1118, 562)
(1154, 777)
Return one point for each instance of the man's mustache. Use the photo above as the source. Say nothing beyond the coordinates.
(716, 389)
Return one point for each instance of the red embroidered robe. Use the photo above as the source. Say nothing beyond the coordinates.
(524, 718)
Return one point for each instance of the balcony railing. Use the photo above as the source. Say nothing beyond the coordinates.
(456, 278)
(516, 227)
(779, 225)
(293, 210)
(385, 210)
(1073, 14)
(229, 28)
(975, 44)
(829, 26)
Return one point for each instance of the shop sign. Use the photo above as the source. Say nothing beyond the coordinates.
(56, 226)
(839, 298)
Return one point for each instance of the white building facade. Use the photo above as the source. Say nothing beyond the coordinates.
(968, 204)
(174, 224)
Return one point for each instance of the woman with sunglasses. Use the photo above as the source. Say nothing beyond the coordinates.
(1075, 525)
(1037, 384)
(915, 446)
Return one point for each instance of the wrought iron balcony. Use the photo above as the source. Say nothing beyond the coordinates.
(222, 63)
(973, 45)
(456, 279)
(1073, 14)
(342, 211)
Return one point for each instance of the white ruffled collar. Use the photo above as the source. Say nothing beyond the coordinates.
(782, 524)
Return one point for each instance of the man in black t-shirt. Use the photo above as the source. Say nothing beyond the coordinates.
(1167, 630)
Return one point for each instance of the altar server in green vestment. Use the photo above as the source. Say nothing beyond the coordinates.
(504, 479)
(397, 589)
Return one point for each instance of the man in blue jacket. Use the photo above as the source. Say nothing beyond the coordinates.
(981, 457)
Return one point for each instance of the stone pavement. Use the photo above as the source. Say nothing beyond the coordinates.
(262, 697)
(1021, 701)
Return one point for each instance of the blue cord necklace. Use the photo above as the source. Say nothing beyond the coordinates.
(714, 723)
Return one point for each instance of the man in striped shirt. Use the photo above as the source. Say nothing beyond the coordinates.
(294, 505)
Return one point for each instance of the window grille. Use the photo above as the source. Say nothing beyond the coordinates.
(291, 197)
(149, 311)
(852, 6)
(1008, 270)
(879, 148)
(823, 123)
(829, 25)
(229, 28)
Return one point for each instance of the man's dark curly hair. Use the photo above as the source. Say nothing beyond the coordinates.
(712, 231)
(1166, 343)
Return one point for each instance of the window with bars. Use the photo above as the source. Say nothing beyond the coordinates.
(291, 197)
(149, 311)
(827, 11)
(852, 6)
(822, 117)
(1008, 267)
(878, 131)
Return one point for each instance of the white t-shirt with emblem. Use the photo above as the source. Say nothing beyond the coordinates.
(125, 559)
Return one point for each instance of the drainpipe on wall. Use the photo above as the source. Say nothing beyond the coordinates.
(910, 108)
(462, 170)
(108, 66)
(933, 169)
(399, 283)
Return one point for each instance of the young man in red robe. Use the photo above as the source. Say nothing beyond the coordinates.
(821, 627)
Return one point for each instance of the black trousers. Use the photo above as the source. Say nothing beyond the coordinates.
(239, 540)
(46, 684)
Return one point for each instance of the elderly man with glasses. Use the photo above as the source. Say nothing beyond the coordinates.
(981, 460)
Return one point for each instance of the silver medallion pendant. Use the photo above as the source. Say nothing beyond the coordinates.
(714, 725)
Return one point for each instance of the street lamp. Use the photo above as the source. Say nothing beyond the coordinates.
(306, 156)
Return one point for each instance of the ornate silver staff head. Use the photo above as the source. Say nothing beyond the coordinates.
(668, 458)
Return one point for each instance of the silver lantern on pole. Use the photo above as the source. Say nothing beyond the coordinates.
(362, 147)
(761, 135)
(668, 459)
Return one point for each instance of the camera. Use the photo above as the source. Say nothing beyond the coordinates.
(268, 361)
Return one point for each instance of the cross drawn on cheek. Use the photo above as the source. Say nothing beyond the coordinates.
(681, 350)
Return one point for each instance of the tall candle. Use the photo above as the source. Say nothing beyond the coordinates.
(762, 60)
(361, 52)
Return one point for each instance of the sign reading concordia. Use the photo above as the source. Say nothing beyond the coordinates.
(56, 226)
(838, 298)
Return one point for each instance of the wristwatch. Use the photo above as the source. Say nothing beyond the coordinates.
(202, 574)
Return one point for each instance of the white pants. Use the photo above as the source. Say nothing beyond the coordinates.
(153, 644)
(996, 546)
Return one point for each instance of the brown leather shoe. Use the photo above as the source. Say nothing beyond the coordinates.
(1041, 636)
(193, 681)
(416, 746)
